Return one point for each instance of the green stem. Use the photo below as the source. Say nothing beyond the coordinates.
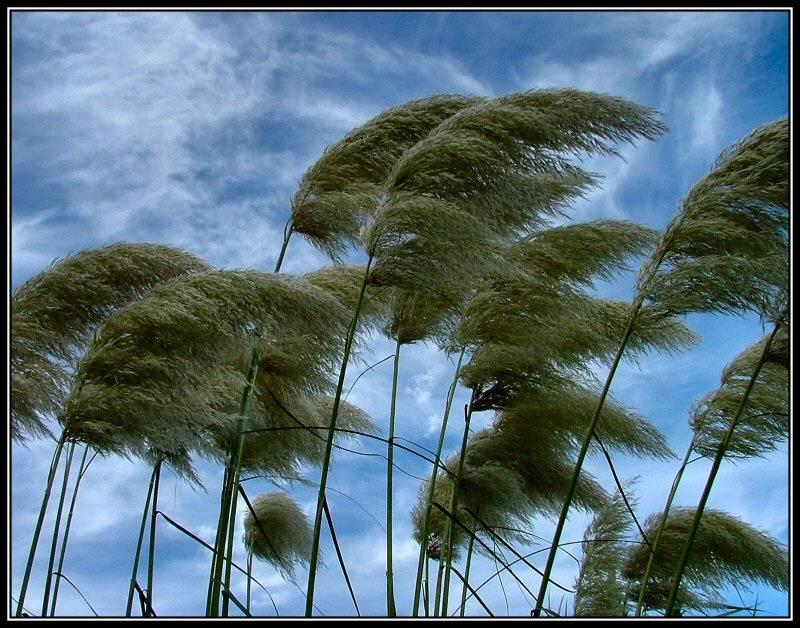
(723, 447)
(661, 526)
(449, 530)
(466, 574)
(232, 522)
(390, 605)
(63, 553)
(429, 502)
(587, 440)
(427, 591)
(438, 598)
(287, 234)
(218, 538)
(326, 460)
(249, 580)
(129, 606)
(39, 522)
(225, 529)
(151, 548)
(56, 529)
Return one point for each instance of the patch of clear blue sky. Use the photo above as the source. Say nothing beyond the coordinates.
(500, 52)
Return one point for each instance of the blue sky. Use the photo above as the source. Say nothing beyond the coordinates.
(194, 129)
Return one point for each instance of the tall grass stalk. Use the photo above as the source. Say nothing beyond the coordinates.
(449, 532)
(438, 595)
(390, 605)
(712, 474)
(217, 541)
(225, 528)
(661, 526)
(249, 579)
(138, 553)
(56, 529)
(151, 548)
(587, 440)
(81, 470)
(323, 481)
(429, 503)
(466, 574)
(39, 522)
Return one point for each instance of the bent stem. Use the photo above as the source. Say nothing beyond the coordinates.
(662, 524)
(129, 606)
(429, 502)
(151, 549)
(56, 529)
(587, 440)
(39, 522)
(449, 529)
(62, 555)
(390, 605)
(323, 482)
(287, 234)
(712, 474)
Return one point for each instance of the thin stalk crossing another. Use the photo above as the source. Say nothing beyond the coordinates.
(323, 482)
(429, 501)
(39, 522)
(81, 470)
(712, 474)
(56, 529)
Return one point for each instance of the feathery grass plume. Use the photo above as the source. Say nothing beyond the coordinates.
(344, 282)
(559, 415)
(582, 252)
(280, 451)
(336, 192)
(165, 373)
(544, 467)
(727, 248)
(599, 588)
(764, 422)
(491, 489)
(524, 338)
(726, 551)
(725, 251)
(55, 313)
(287, 542)
(483, 174)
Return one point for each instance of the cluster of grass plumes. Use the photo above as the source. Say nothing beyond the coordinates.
(488, 172)
(279, 533)
(168, 371)
(764, 421)
(599, 588)
(490, 491)
(726, 551)
(337, 191)
(54, 314)
(537, 319)
(727, 248)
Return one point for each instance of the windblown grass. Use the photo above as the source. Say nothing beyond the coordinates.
(726, 551)
(283, 538)
(55, 313)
